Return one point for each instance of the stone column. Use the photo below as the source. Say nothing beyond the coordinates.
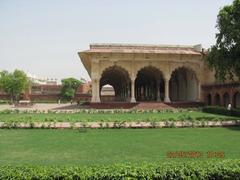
(95, 91)
(98, 91)
(146, 92)
(199, 92)
(95, 80)
(166, 98)
(158, 91)
(129, 90)
(133, 90)
(137, 92)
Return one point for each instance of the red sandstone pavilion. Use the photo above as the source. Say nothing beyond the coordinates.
(156, 73)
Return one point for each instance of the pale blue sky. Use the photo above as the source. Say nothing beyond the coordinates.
(44, 36)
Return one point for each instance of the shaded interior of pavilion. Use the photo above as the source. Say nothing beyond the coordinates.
(149, 85)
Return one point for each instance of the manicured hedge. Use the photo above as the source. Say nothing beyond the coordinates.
(4, 101)
(221, 110)
(227, 169)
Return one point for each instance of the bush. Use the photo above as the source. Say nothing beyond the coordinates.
(221, 111)
(4, 101)
(190, 170)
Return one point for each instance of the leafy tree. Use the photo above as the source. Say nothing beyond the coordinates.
(13, 83)
(69, 87)
(224, 56)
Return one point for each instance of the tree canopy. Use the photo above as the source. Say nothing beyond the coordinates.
(224, 56)
(13, 83)
(69, 87)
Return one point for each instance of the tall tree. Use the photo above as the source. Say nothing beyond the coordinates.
(69, 87)
(224, 56)
(13, 83)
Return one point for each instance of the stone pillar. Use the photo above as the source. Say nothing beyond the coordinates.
(129, 90)
(137, 92)
(146, 92)
(133, 90)
(95, 80)
(158, 91)
(199, 92)
(95, 91)
(98, 91)
(231, 97)
(166, 98)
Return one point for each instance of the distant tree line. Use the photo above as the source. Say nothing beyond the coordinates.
(16, 83)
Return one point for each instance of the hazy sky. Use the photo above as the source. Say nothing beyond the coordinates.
(43, 36)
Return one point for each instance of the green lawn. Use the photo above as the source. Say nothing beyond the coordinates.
(108, 146)
(108, 116)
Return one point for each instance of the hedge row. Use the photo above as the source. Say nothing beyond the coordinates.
(227, 169)
(221, 111)
(4, 101)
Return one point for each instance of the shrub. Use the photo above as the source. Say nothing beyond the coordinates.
(4, 101)
(221, 111)
(228, 169)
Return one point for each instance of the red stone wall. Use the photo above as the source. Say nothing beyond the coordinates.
(227, 89)
(84, 88)
(83, 97)
(51, 93)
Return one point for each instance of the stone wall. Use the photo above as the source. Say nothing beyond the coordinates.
(222, 94)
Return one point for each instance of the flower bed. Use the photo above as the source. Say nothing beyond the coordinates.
(119, 124)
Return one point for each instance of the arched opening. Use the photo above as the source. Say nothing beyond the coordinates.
(226, 99)
(183, 85)
(236, 100)
(118, 78)
(209, 100)
(149, 85)
(217, 100)
(107, 93)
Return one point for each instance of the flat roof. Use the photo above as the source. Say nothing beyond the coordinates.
(137, 49)
(144, 48)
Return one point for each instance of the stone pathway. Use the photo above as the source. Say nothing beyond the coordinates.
(43, 107)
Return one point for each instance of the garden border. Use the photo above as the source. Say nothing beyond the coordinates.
(106, 125)
(226, 169)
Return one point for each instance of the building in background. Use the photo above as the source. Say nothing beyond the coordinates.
(49, 90)
(42, 81)
(156, 73)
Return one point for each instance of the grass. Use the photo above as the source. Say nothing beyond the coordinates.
(109, 116)
(109, 146)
